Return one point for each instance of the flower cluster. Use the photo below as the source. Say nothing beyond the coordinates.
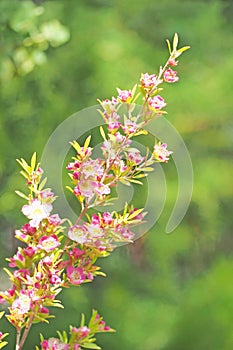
(49, 260)
(79, 338)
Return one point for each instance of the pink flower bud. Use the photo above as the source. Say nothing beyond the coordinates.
(157, 102)
(161, 154)
(170, 76)
(124, 95)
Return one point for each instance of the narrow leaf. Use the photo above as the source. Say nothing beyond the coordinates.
(91, 346)
(87, 142)
(22, 195)
(169, 46)
(103, 133)
(135, 213)
(33, 161)
(175, 41)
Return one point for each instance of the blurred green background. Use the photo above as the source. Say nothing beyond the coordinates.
(165, 292)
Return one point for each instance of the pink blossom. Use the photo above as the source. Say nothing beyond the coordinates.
(107, 218)
(22, 303)
(86, 188)
(157, 102)
(113, 126)
(54, 344)
(172, 62)
(73, 165)
(109, 105)
(170, 76)
(135, 156)
(129, 127)
(91, 168)
(21, 274)
(120, 164)
(148, 81)
(95, 219)
(81, 332)
(29, 251)
(76, 253)
(75, 275)
(124, 95)
(54, 220)
(54, 279)
(126, 233)
(48, 243)
(102, 189)
(36, 211)
(161, 154)
(78, 234)
(43, 310)
(95, 231)
(28, 229)
(47, 193)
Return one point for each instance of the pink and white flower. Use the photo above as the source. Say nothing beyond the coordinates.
(81, 332)
(76, 275)
(172, 62)
(86, 188)
(95, 231)
(92, 168)
(157, 102)
(54, 344)
(78, 234)
(54, 220)
(109, 105)
(149, 81)
(36, 211)
(48, 243)
(22, 304)
(124, 95)
(170, 76)
(161, 153)
(135, 156)
(129, 127)
(107, 218)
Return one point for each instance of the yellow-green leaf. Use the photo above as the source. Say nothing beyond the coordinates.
(102, 133)
(169, 46)
(87, 142)
(20, 194)
(175, 41)
(135, 213)
(33, 161)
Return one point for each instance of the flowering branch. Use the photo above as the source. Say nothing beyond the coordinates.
(49, 261)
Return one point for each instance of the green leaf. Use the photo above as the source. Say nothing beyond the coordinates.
(20, 194)
(76, 146)
(146, 169)
(135, 213)
(180, 51)
(169, 46)
(135, 181)
(42, 184)
(123, 181)
(33, 161)
(90, 346)
(175, 41)
(82, 323)
(87, 142)
(103, 133)
(24, 165)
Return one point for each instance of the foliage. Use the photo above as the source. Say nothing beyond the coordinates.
(110, 43)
